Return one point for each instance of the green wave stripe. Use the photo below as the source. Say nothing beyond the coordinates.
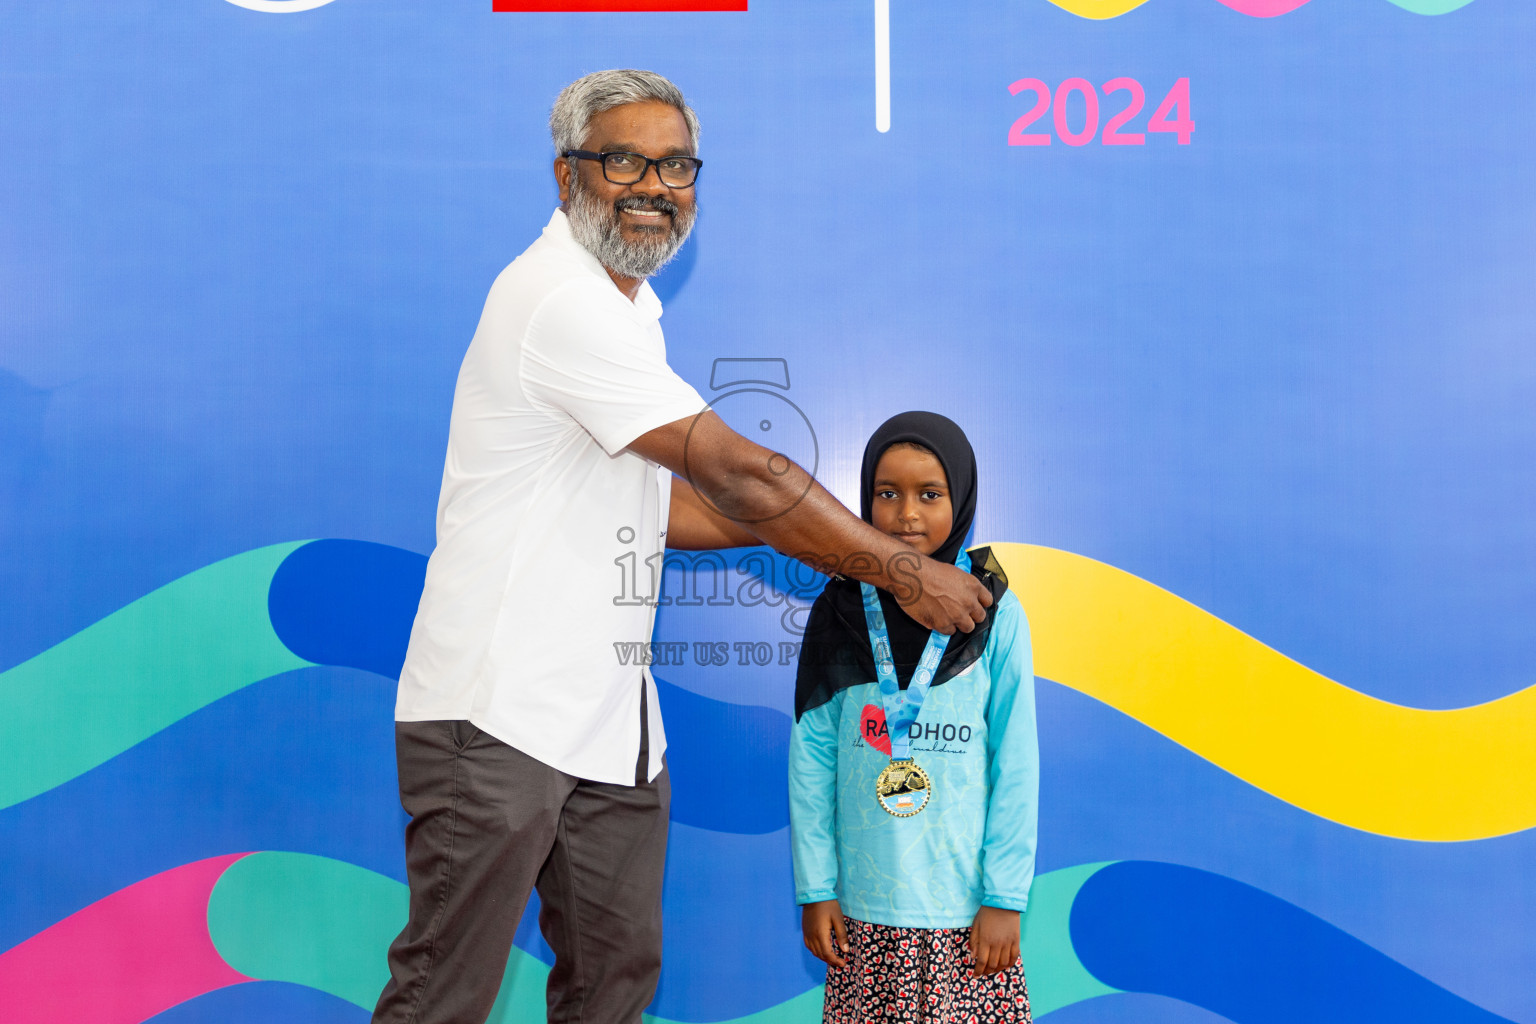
(147, 665)
(327, 924)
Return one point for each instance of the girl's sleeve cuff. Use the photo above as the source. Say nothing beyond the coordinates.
(814, 896)
(992, 899)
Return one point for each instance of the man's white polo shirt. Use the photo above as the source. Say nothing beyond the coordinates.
(542, 509)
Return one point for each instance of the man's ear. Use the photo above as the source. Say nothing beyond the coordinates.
(563, 178)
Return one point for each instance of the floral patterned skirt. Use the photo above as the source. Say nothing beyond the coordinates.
(919, 976)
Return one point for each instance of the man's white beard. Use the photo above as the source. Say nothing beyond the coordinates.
(597, 228)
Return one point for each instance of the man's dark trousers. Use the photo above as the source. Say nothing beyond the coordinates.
(488, 824)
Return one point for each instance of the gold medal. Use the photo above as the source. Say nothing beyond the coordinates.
(903, 788)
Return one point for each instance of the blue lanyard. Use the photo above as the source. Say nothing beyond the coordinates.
(902, 707)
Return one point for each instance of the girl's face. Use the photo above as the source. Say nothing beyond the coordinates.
(911, 499)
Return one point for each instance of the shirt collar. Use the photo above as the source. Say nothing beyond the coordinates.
(558, 230)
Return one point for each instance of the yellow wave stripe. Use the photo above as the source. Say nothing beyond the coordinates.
(1410, 773)
(1099, 10)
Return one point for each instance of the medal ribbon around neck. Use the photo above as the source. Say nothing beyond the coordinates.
(902, 707)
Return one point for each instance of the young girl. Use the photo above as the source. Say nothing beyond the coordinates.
(914, 771)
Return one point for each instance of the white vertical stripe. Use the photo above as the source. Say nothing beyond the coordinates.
(882, 65)
(283, 7)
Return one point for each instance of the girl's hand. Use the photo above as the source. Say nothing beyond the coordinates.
(994, 940)
(825, 934)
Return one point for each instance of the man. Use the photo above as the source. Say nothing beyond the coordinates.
(528, 754)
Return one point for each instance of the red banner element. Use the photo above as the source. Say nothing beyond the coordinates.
(532, 6)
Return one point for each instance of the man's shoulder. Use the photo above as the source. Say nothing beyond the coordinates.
(546, 273)
(546, 265)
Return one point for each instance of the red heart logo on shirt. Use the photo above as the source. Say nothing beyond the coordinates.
(872, 728)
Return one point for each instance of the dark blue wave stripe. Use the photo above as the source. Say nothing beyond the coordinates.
(1241, 952)
(263, 1002)
(347, 602)
(729, 763)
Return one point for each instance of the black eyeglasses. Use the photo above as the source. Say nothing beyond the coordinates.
(629, 168)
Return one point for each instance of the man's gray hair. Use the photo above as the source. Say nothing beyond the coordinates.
(592, 94)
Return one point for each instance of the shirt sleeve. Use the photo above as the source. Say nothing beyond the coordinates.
(813, 801)
(1008, 846)
(603, 369)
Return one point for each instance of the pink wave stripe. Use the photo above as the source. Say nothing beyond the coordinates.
(1265, 8)
(122, 959)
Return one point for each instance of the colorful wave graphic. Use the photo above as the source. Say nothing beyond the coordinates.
(137, 671)
(271, 916)
(125, 958)
(1238, 951)
(1101, 10)
(322, 921)
(1095, 9)
(1093, 930)
(1380, 767)
(291, 606)
(305, 762)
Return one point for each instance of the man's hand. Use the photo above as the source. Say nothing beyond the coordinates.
(946, 598)
(994, 940)
(825, 934)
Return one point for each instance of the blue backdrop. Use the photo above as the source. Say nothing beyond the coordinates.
(1282, 371)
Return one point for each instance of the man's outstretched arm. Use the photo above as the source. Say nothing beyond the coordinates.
(778, 502)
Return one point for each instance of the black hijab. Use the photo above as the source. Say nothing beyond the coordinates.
(835, 653)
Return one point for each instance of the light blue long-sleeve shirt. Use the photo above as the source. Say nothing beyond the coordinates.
(974, 844)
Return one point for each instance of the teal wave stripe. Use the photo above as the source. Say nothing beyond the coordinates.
(326, 924)
(1431, 6)
(147, 665)
(308, 920)
(1055, 975)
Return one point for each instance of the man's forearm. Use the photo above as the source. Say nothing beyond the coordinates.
(795, 515)
(778, 502)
